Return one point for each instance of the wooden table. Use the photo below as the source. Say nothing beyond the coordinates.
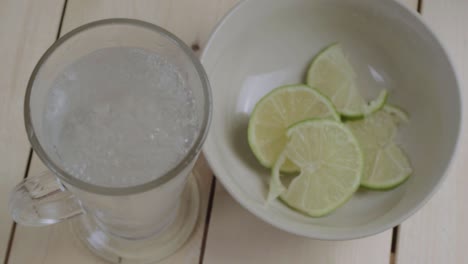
(226, 233)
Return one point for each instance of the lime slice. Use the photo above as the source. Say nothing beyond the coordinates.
(385, 164)
(331, 73)
(399, 115)
(330, 162)
(276, 111)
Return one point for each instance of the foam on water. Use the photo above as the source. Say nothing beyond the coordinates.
(120, 117)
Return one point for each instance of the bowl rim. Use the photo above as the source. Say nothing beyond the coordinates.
(210, 154)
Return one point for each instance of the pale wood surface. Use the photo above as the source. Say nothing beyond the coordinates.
(190, 20)
(236, 236)
(27, 28)
(439, 232)
(413, 4)
(435, 235)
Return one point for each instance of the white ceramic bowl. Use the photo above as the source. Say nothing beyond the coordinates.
(262, 44)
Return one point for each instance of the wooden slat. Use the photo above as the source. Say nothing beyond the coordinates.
(236, 236)
(439, 232)
(413, 4)
(27, 28)
(192, 21)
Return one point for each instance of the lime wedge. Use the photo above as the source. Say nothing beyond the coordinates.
(275, 112)
(330, 162)
(331, 73)
(385, 164)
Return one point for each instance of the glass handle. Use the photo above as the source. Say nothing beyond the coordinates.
(42, 200)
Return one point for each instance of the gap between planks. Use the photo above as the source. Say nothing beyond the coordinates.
(207, 218)
(396, 229)
(13, 227)
(28, 163)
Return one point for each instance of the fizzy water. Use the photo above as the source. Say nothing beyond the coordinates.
(120, 117)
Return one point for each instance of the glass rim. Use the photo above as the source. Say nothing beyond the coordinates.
(181, 165)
